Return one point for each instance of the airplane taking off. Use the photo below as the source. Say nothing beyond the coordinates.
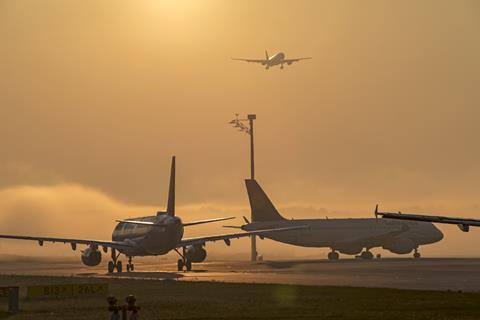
(275, 60)
(347, 236)
(150, 236)
(463, 224)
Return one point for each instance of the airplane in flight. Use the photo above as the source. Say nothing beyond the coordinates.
(275, 60)
(348, 236)
(149, 236)
(463, 224)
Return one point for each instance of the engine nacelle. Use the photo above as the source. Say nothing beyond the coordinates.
(196, 253)
(400, 246)
(91, 257)
(350, 250)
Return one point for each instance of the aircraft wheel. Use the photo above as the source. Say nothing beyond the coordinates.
(119, 266)
(188, 264)
(180, 265)
(128, 268)
(333, 255)
(417, 255)
(132, 267)
(111, 266)
(367, 255)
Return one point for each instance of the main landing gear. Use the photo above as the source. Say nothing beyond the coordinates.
(367, 255)
(130, 265)
(416, 254)
(115, 264)
(183, 262)
(333, 255)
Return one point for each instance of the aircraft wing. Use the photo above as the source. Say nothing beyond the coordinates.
(153, 224)
(290, 61)
(73, 242)
(227, 237)
(206, 221)
(141, 223)
(462, 223)
(262, 61)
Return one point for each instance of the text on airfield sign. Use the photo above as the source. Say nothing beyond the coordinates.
(68, 290)
(4, 292)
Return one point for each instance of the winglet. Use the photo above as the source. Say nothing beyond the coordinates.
(171, 191)
(266, 55)
(376, 211)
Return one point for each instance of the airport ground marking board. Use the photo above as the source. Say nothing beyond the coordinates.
(4, 292)
(68, 290)
(12, 293)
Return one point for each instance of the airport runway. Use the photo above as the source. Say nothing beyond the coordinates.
(432, 274)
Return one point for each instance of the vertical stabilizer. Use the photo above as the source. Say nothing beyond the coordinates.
(171, 190)
(261, 206)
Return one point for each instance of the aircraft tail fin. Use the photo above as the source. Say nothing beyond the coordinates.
(261, 206)
(171, 190)
(266, 55)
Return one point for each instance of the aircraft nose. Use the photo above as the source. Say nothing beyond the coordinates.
(438, 235)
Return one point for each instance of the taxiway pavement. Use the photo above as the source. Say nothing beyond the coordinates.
(429, 274)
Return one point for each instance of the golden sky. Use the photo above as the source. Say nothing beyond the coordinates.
(95, 97)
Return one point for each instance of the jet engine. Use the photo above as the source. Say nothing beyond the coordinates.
(91, 256)
(195, 253)
(400, 246)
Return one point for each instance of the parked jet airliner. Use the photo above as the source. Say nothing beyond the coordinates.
(275, 60)
(347, 236)
(149, 236)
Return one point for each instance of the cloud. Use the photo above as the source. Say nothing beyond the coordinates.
(76, 211)
(65, 210)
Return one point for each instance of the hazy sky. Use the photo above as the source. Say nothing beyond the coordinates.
(95, 97)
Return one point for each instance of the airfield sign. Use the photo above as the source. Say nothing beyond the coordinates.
(12, 293)
(68, 290)
(4, 292)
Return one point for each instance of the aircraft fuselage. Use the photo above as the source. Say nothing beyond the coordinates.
(276, 59)
(341, 234)
(150, 240)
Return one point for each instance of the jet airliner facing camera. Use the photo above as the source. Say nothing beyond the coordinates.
(275, 60)
(150, 236)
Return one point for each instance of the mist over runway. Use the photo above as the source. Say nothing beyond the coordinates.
(423, 274)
